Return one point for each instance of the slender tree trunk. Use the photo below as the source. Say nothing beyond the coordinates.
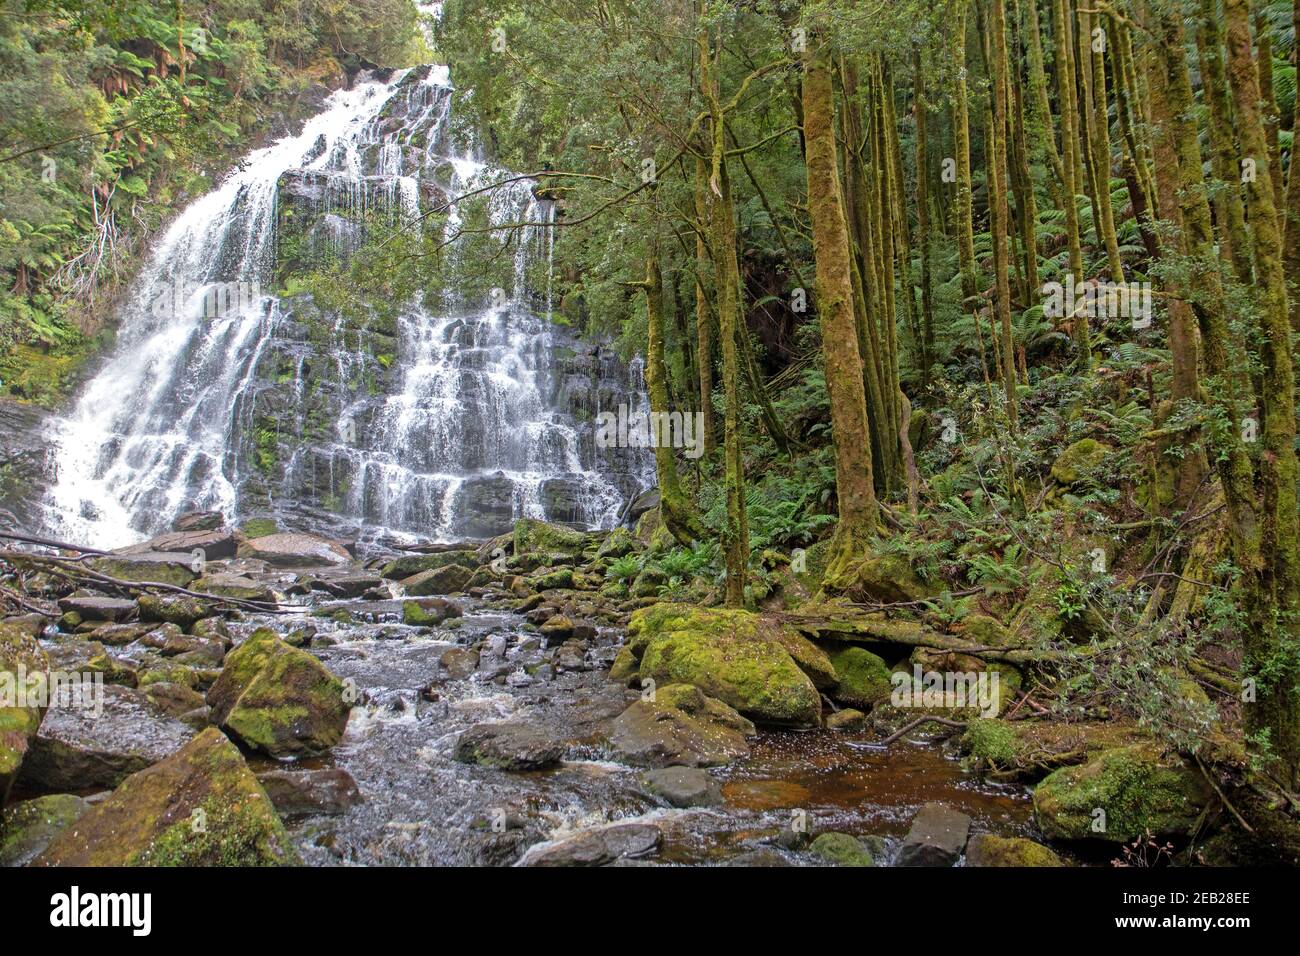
(703, 313)
(853, 478)
(679, 514)
(963, 207)
(1270, 647)
(998, 202)
(922, 110)
(1065, 91)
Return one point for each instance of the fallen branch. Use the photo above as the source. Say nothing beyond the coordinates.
(80, 574)
(906, 728)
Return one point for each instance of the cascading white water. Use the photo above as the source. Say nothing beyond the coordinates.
(474, 420)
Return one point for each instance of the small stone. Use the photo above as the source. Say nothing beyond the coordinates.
(683, 786)
(937, 837)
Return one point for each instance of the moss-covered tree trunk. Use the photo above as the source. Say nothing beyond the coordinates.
(1272, 648)
(1068, 103)
(922, 110)
(703, 313)
(678, 511)
(962, 206)
(998, 202)
(843, 364)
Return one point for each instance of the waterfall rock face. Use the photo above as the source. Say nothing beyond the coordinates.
(434, 420)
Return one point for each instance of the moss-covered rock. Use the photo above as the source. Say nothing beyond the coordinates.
(278, 699)
(176, 609)
(1137, 788)
(724, 653)
(533, 535)
(985, 849)
(618, 543)
(428, 612)
(841, 849)
(1029, 749)
(24, 667)
(679, 725)
(889, 578)
(27, 828)
(447, 579)
(412, 564)
(162, 567)
(861, 677)
(1079, 460)
(200, 807)
(553, 580)
(625, 666)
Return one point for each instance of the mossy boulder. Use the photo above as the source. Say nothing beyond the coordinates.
(985, 849)
(889, 578)
(679, 726)
(164, 567)
(412, 564)
(861, 677)
(447, 579)
(1079, 460)
(176, 609)
(24, 667)
(428, 612)
(1029, 749)
(534, 535)
(278, 699)
(841, 849)
(625, 666)
(617, 544)
(1138, 789)
(986, 631)
(201, 806)
(27, 828)
(724, 653)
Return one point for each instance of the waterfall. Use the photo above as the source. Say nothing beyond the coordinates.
(219, 394)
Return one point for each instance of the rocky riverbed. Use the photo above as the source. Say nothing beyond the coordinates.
(501, 703)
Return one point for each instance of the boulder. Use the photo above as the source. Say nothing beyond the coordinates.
(532, 535)
(861, 677)
(682, 786)
(303, 792)
(428, 612)
(985, 849)
(841, 849)
(460, 662)
(162, 567)
(509, 745)
(295, 550)
(729, 654)
(93, 608)
(597, 846)
(937, 837)
(1135, 788)
(80, 747)
(278, 699)
(680, 726)
(352, 584)
(176, 609)
(200, 807)
(412, 564)
(27, 828)
(199, 521)
(888, 578)
(217, 544)
(1079, 460)
(556, 629)
(22, 664)
(846, 719)
(237, 586)
(617, 544)
(448, 579)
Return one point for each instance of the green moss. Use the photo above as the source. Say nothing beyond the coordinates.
(1080, 460)
(1137, 789)
(861, 677)
(259, 527)
(232, 835)
(991, 741)
(841, 849)
(721, 652)
(533, 535)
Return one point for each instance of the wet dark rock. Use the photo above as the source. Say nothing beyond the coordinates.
(119, 635)
(760, 857)
(199, 521)
(597, 847)
(175, 700)
(655, 734)
(76, 749)
(237, 586)
(682, 786)
(460, 662)
(937, 837)
(94, 608)
(351, 585)
(509, 745)
(298, 792)
(216, 544)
